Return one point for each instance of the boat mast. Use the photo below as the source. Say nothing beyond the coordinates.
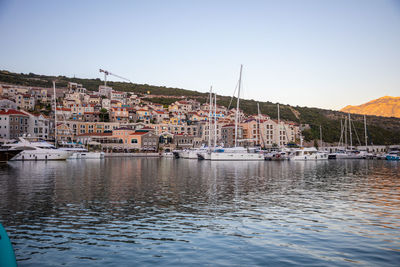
(345, 132)
(351, 139)
(341, 133)
(279, 128)
(258, 123)
(215, 120)
(365, 130)
(55, 113)
(237, 107)
(320, 136)
(209, 119)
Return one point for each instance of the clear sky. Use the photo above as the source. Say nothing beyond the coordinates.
(309, 53)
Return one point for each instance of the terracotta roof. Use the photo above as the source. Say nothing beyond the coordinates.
(95, 134)
(139, 133)
(123, 128)
(12, 112)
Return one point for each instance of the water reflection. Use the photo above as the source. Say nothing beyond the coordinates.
(164, 211)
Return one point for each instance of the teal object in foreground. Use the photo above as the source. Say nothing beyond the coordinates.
(7, 256)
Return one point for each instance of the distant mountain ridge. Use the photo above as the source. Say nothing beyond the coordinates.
(387, 106)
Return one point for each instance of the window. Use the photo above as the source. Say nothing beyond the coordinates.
(134, 141)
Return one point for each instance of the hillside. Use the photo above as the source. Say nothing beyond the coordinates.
(387, 106)
(381, 130)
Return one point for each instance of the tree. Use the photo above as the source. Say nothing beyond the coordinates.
(104, 116)
(316, 143)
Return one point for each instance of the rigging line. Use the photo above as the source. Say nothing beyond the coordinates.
(341, 133)
(355, 130)
(234, 92)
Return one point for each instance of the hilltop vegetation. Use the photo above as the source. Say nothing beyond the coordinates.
(381, 130)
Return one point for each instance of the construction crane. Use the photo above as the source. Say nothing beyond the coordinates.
(109, 73)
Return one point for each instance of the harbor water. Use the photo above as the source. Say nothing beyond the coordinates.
(168, 212)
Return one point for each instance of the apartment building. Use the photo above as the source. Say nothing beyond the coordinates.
(13, 124)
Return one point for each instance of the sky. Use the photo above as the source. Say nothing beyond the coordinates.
(325, 54)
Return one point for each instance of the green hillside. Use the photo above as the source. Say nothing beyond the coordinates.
(381, 130)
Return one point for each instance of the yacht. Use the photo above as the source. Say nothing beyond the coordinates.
(349, 154)
(37, 150)
(82, 153)
(235, 154)
(192, 153)
(309, 153)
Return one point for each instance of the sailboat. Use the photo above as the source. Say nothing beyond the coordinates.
(282, 153)
(205, 152)
(349, 152)
(236, 153)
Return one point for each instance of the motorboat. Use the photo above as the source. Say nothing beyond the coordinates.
(235, 154)
(309, 153)
(82, 153)
(40, 150)
(168, 155)
(277, 156)
(350, 154)
(393, 155)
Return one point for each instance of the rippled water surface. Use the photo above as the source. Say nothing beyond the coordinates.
(184, 212)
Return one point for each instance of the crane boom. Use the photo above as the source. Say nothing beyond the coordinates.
(106, 72)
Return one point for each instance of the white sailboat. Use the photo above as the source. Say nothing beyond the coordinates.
(349, 152)
(236, 153)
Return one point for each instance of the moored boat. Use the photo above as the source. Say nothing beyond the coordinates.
(309, 153)
(36, 151)
(393, 155)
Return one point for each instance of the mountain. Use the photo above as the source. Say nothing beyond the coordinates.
(381, 130)
(387, 106)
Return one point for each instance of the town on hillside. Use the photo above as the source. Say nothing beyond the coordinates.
(121, 121)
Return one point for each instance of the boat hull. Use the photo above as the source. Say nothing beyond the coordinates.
(87, 155)
(32, 155)
(226, 156)
(390, 157)
(311, 157)
(8, 154)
